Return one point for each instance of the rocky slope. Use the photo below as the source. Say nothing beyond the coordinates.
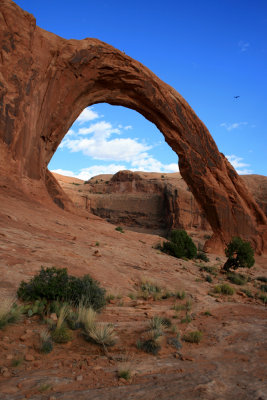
(233, 327)
(151, 202)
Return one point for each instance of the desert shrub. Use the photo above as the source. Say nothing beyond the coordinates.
(103, 334)
(180, 294)
(46, 343)
(224, 289)
(119, 229)
(240, 254)
(207, 313)
(61, 334)
(125, 374)
(180, 245)
(175, 342)
(193, 337)
(186, 320)
(166, 322)
(247, 292)
(262, 279)
(237, 279)
(208, 278)
(16, 362)
(10, 312)
(202, 256)
(209, 269)
(263, 298)
(55, 284)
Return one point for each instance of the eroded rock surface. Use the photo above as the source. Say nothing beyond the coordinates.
(147, 201)
(45, 83)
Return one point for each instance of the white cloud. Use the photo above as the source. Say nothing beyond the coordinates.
(87, 173)
(232, 126)
(64, 172)
(239, 165)
(243, 45)
(150, 164)
(88, 114)
(126, 153)
(100, 129)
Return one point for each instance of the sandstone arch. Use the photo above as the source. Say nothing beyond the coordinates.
(46, 81)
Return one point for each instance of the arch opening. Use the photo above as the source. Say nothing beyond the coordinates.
(149, 195)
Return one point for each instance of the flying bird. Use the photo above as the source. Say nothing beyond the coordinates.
(236, 97)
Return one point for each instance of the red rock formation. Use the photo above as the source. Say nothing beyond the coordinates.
(147, 201)
(45, 83)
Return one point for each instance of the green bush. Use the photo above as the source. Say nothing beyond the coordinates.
(55, 284)
(202, 256)
(180, 245)
(149, 346)
(240, 254)
(224, 289)
(61, 335)
(193, 337)
(237, 279)
(119, 229)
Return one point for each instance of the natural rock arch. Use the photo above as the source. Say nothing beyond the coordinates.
(46, 81)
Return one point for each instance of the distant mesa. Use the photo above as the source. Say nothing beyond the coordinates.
(46, 82)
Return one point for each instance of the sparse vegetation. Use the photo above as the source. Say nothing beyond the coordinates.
(224, 288)
(61, 334)
(186, 320)
(46, 343)
(151, 344)
(180, 294)
(202, 256)
(10, 312)
(193, 337)
(103, 334)
(208, 278)
(16, 362)
(247, 292)
(262, 279)
(262, 297)
(180, 245)
(209, 269)
(240, 254)
(55, 284)
(237, 279)
(125, 374)
(263, 288)
(207, 313)
(119, 229)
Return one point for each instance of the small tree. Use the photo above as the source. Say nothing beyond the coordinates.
(240, 254)
(180, 245)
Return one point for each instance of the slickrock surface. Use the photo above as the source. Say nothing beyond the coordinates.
(46, 82)
(228, 363)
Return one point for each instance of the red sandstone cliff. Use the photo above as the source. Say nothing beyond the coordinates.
(147, 201)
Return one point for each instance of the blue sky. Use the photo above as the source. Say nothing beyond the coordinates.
(209, 51)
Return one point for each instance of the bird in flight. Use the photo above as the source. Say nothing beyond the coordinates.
(236, 97)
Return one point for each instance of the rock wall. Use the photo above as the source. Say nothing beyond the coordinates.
(147, 201)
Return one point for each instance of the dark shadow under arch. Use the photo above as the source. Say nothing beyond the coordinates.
(51, 80)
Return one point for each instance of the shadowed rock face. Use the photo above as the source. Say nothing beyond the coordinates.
(45, 83)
